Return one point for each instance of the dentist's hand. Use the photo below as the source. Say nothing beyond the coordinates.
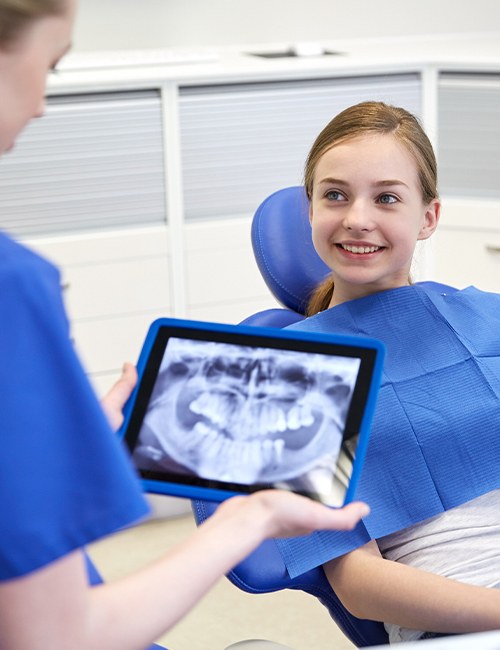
(283, 514)
(115, 399)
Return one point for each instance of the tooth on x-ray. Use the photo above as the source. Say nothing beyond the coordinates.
(245, 414)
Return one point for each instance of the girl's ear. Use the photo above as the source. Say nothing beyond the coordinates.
(310, 213)
(431, 219)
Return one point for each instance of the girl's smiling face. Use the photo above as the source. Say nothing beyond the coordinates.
(367, 213)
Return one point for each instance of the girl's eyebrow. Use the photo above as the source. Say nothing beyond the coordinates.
(390, 182)
(333, 181)
(382, 183)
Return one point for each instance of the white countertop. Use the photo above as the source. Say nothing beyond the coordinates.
(478, 52)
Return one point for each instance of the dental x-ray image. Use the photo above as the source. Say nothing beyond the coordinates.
(248, 415)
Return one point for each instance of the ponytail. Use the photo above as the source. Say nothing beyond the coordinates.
(321, 297)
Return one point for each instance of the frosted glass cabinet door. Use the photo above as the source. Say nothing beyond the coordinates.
(469, 135)
(92, 162)
(241, 142)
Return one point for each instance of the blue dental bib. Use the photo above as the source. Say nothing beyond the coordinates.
(435, 440)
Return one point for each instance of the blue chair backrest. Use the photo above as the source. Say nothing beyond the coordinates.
(291, 268)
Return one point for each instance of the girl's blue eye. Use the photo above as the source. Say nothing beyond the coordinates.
(387, 199)
(334, 195)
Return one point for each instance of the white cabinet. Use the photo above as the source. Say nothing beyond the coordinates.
(223, 283)
(115, 283)
(467, 244)
(144, 197)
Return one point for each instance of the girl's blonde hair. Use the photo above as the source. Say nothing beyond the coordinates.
(363, 119)
(16, 15)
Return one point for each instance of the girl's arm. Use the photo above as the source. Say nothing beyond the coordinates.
(371, 587)
(54, 607)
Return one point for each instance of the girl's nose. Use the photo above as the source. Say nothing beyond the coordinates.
(357, 217)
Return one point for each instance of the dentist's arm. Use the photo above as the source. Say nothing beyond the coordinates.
(55, 608)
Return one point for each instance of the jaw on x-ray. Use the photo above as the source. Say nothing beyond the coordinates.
(244, 414)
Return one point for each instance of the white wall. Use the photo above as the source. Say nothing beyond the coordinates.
(109, 24)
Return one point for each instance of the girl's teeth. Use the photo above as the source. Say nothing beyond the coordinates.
(360, 249)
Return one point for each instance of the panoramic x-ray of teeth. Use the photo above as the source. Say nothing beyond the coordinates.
(247, 415)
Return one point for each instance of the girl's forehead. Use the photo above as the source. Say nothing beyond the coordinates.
(375, 152)
(374, 142)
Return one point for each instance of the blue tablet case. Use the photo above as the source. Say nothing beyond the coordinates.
(196, 351)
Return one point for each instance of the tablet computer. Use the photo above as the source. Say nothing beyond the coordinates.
(221, 410)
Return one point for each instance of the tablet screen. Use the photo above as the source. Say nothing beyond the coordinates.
(236, 412)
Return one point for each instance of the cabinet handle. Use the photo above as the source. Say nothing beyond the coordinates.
(493, 249)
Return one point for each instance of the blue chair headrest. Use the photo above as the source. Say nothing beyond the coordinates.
(283, 248)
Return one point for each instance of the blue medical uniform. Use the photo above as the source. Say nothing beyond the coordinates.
(65, 480)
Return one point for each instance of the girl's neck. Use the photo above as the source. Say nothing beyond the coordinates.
(344, 294)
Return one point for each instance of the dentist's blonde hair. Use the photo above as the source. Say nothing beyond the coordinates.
(17, 15)
(363, 119)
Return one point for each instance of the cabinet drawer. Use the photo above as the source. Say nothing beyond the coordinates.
(105, 344)
(111, 273)
(234, 311)
(465, 257)
(217, 275)
(220, 264)
(121, 287)
(108, 246)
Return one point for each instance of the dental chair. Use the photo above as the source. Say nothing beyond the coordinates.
(291, 268)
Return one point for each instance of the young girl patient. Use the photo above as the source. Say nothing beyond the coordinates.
(372, 185)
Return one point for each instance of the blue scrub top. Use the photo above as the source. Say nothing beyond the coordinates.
(65, 479)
